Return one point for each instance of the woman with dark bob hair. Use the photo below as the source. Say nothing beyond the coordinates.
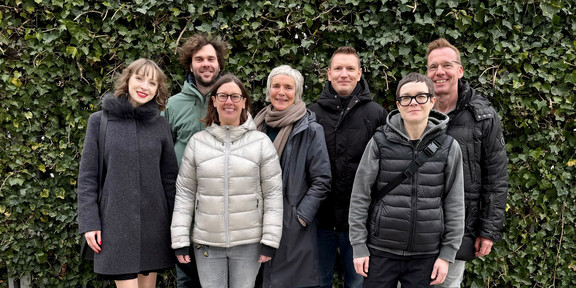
(128, 226)
(228, 193)
(301, 146)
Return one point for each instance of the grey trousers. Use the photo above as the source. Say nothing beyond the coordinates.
(234, 267)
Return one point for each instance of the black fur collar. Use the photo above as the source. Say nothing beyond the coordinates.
(120, 107)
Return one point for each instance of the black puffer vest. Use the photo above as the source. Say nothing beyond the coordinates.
(410, 217)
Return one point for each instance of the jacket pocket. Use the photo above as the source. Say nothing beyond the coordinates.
(374, 220)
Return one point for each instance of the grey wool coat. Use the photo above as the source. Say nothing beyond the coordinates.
(138, 193)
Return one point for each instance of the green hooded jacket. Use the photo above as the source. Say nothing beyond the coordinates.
(184, 111)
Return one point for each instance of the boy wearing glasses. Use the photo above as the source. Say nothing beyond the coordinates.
(412, 233)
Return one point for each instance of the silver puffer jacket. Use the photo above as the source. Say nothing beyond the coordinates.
(229, 189)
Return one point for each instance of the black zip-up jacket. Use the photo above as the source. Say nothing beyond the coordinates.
(476, 126)
(347, 130)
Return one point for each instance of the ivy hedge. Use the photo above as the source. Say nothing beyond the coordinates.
(58, 56)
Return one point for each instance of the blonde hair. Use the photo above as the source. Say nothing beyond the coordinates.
(442, 43)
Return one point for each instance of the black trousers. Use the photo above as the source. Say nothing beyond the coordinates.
(411, 272)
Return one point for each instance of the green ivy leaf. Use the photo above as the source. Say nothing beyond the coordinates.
(549, 9)
(72, 51)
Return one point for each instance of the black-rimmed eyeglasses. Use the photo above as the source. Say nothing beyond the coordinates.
(420, 98)
(222, 97)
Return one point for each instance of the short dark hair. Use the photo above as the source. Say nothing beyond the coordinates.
(346, 50)
(195, 43)
(442, 43)
(415, 77)
(212, 114)
(147, 67)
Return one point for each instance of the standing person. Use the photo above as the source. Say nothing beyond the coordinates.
(349, 116)
(301, 146)
(229, 193)
(475, 125)
(203, 59)
(129, 229)
(411, 234)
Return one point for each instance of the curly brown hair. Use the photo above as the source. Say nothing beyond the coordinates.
(145, 67)
(195, 43)
(212, 114)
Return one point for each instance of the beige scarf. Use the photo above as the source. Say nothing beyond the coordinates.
(284, 120)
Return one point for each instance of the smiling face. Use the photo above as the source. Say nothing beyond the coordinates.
(228, 111)
(282, 91)
(415, 113)
(142, 87)
(445, 72)
(204, 66)
(344, 73)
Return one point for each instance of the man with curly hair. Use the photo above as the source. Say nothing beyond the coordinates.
(203, 58)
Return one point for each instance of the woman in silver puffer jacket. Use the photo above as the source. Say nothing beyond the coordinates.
(228, 207)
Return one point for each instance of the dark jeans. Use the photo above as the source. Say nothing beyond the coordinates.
(328, 244)
(411, 272)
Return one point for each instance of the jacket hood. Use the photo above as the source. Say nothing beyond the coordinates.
(469, 99)
(219, 132)
(330, 99)
(189, 89)
(121, 107)
(437, 122)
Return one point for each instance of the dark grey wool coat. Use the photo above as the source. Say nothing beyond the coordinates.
(137, 200)
(306, 182)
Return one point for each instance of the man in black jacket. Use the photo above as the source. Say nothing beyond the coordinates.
(475, 125)
(349, 116)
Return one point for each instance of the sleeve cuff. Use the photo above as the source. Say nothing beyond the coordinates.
(182, 251)
(360, 250)
(267, 250)
(448, 254)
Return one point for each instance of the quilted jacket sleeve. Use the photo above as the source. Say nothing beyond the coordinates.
(494, 192)
(271, 181)
(184, 205)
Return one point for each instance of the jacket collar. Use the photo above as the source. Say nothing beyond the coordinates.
(478, 105)
(331, 101)
(233, 132)
(121, 108)
(437, 122)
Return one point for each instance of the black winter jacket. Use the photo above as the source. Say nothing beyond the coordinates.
(347, 130)
(476, 126)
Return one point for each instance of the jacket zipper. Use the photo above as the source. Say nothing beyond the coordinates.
(344, 111)
(226, 187)
(414, 203)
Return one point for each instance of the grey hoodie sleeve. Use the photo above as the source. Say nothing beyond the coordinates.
(361, 198)
(453, 205)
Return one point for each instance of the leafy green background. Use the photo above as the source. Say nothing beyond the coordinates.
(58, 56)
